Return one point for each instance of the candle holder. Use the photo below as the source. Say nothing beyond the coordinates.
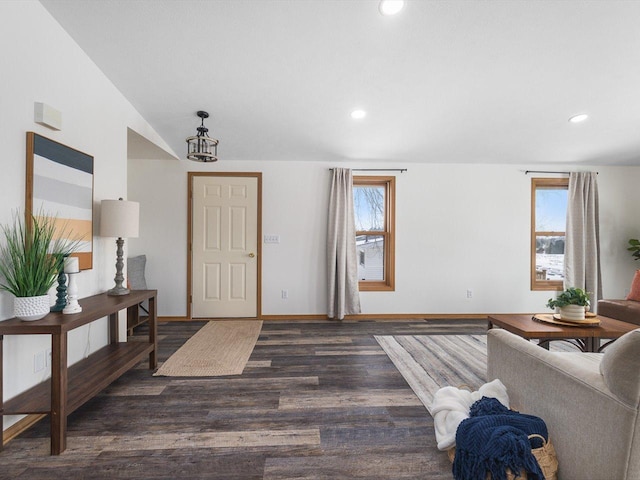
(71, 268)
(61, 296)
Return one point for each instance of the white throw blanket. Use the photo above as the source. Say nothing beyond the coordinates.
(451, 406)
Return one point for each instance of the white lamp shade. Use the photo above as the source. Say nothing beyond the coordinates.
(119, 218)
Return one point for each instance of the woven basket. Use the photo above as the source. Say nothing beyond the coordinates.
(547, 458)
(545, 455)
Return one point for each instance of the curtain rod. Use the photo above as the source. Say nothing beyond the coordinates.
(544, 171)
(401, 170)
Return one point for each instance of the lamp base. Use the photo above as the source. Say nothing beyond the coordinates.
(118, 290)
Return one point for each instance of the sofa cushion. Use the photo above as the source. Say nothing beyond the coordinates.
(620, 367)
(634, 293)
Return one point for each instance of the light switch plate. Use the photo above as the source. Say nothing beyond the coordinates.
(272, 239)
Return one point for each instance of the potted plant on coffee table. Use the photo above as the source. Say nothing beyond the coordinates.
(572, 303)
(30, 259)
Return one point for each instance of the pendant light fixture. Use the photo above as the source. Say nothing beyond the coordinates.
(201, 147)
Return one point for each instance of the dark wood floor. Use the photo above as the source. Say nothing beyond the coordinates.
(318, 400)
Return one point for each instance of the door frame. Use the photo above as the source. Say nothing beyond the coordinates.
(191, 175)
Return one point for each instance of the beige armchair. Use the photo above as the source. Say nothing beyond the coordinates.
(590, 401)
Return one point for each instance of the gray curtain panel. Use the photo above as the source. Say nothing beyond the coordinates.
(582, 248)
(342, 267)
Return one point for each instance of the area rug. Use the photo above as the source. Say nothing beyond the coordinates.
(430, 362)
(219, 348)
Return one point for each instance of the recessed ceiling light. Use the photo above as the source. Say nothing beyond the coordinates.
(358, 114)
(579, 118)
(390, 7)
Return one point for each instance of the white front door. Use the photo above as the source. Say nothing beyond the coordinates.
(224, 246)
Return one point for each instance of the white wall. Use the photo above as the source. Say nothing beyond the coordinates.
(41, 63)
(458, 227)
(619, 221)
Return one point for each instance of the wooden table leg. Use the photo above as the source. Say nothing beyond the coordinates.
(591, 344)
(113, 328)
(153, 333)
(59, 381)
(544, 343)
(133, 318)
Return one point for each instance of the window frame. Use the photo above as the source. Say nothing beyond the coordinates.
(551, 183)
(389, 232)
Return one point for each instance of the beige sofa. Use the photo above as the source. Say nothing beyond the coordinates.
(590, 401)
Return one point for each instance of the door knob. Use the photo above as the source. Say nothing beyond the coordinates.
(252, 255)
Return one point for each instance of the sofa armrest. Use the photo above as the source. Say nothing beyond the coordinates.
(593, 431)
(624, 310)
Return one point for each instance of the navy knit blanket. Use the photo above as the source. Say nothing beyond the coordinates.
(495, 438)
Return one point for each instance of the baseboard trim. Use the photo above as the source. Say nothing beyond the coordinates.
(174, 319)
(381, 317)
(20, 426)
(359, 317)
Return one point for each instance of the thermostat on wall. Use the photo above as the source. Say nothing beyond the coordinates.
(47, 115)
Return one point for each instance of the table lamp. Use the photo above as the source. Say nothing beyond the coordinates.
(119, 218)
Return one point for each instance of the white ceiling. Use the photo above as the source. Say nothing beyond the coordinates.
(443, 81)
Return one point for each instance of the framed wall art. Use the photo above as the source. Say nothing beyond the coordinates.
(60, 184)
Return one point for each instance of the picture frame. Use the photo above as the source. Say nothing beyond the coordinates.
(59, 182)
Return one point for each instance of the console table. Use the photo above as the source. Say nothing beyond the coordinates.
(70, 387)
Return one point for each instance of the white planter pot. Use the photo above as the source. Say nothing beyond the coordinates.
(572, 312)
(31, 308)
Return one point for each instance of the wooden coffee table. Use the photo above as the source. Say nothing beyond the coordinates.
(586, 338)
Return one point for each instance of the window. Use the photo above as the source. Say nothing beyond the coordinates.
(374, 207)
(548, 224)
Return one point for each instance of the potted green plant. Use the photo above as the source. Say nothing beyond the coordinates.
(634, 248)
(572, 303)
(30, 260)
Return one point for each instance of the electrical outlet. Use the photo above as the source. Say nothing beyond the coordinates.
(38, 362)
(285, 294)
(469, 293)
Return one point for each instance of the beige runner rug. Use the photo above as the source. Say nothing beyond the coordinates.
(219, 348)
